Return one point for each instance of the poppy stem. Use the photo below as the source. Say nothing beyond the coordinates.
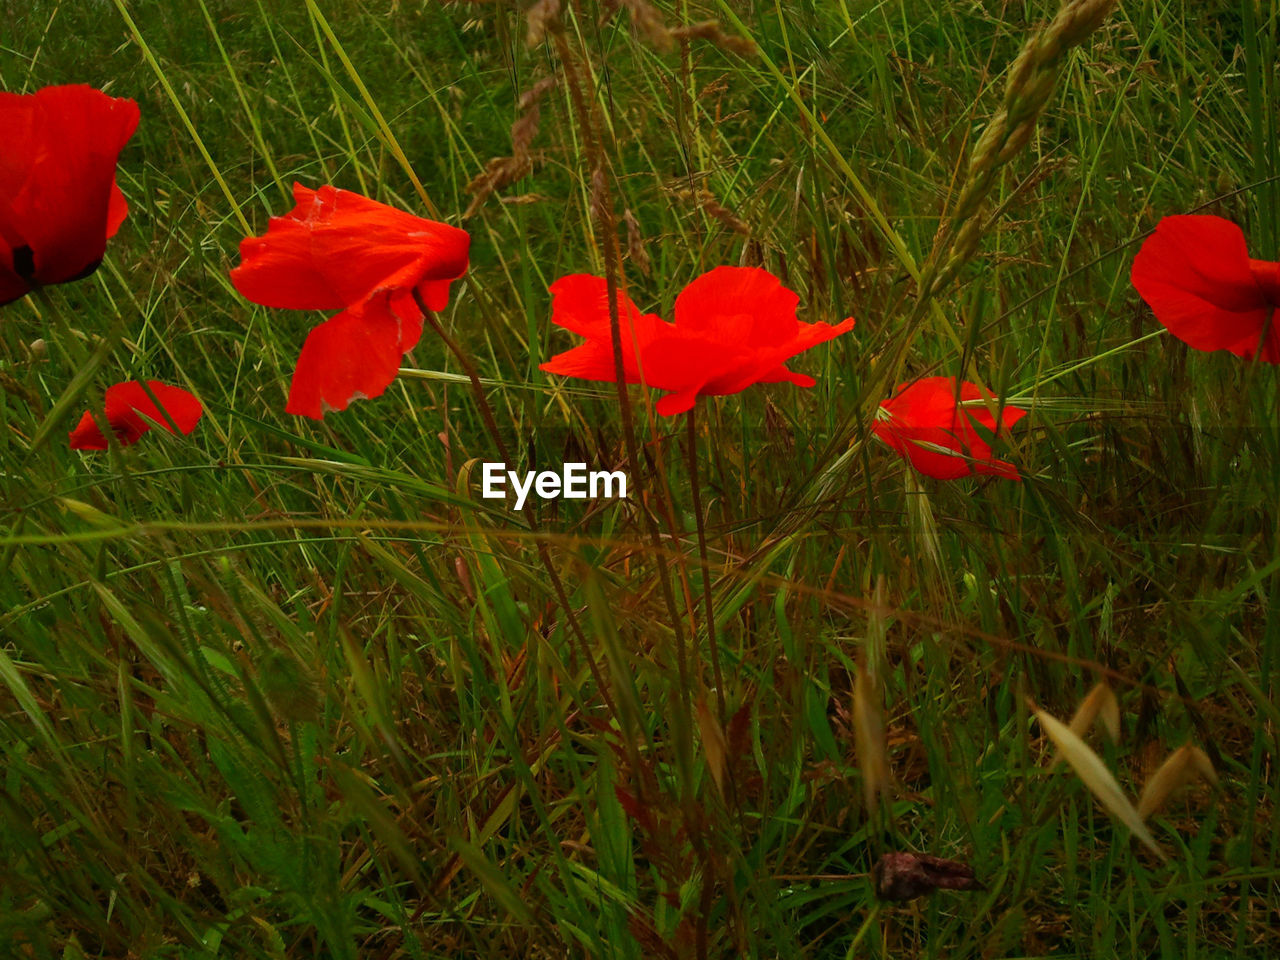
(602, 212)
(708, 608)
(491, 425)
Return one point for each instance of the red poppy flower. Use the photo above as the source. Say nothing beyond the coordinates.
(938, 436)
(1196, 274)
(59, 202)
(734, 326)
(126, 405)
(337, 250)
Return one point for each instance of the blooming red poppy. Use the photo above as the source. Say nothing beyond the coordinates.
(126, 405)
(937, 435)
(734, 326)
(337, 250)
(59, 202)
(1196, 274)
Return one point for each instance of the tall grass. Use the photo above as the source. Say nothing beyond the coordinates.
(286, 688)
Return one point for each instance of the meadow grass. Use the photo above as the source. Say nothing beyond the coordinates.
(292, 689)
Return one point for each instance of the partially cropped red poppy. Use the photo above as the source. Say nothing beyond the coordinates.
(337, 250)
(59, 202)
(1196, 274)
(127, 404)
(734, 326)
(937, 432)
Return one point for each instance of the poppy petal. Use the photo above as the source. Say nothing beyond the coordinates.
(409, 315)
(781, 374)
(580, 304)
(1196, 275)
(126, 404)
(930, 450)
(738, 303)
(353, 356)
(734, 326)
(1267, 275)
(117, 210)
(337, 248)
(592, 360)
(57, 174)
(679, 402)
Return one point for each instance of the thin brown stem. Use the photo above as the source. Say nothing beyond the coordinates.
(602, 210)
(491, 425)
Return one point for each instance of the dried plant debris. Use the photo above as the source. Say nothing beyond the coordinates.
(1101, 782)
(503, 171)
(1099, 706)
(649, 23)
(869, 735)
(905, 876)
(1184, 766)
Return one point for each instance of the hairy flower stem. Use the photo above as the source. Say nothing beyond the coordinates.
(602, 212)
(708, 610)
(491, 425)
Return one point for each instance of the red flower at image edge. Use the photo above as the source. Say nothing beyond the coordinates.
(59, 202)
(126, 405)
(337, 250)
(734, 326)
(937, 436)
(1196, 275)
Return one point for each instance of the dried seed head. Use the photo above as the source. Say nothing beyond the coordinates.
(869, 737)
(502, 171)
(1184, 765)
(1032, 78)
(713, 33)
(636, 249)
(905, 876)
(1101, 782)
(1100, 704)
(648, 21)
(543, 17)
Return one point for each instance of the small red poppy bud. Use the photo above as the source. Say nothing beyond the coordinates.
(934, 427)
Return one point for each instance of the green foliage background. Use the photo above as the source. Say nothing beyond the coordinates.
(292, 689)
